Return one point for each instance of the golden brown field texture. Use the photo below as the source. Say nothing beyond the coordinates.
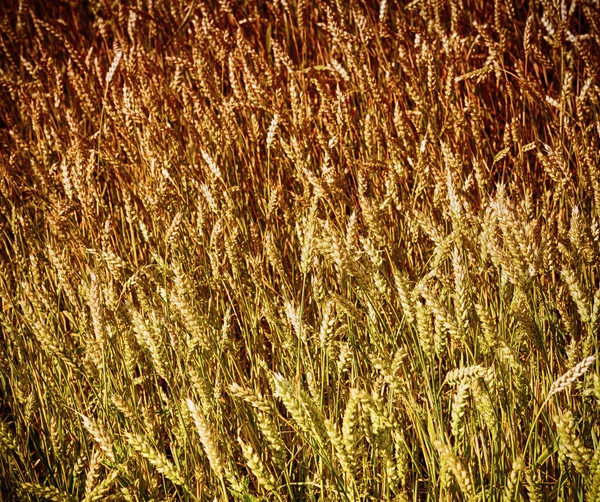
(297, 250)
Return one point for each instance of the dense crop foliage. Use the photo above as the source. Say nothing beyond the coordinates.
(293, 250)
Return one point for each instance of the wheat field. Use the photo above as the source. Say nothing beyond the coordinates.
(295, 251)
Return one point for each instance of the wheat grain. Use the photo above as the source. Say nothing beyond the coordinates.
(583, 304)
(208, 439)
(101, 490)
(460, 473)
(425, 329)
(533, 486)
(459, 405)
(46, 492)
(564, 381)
(100, 437)
(570, 445)
(593, 483)
(155, 457)
(7, 439)
(510, 490)
(256, 465)
(300, 406)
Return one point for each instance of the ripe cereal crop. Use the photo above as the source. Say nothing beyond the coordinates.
(299, 251)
